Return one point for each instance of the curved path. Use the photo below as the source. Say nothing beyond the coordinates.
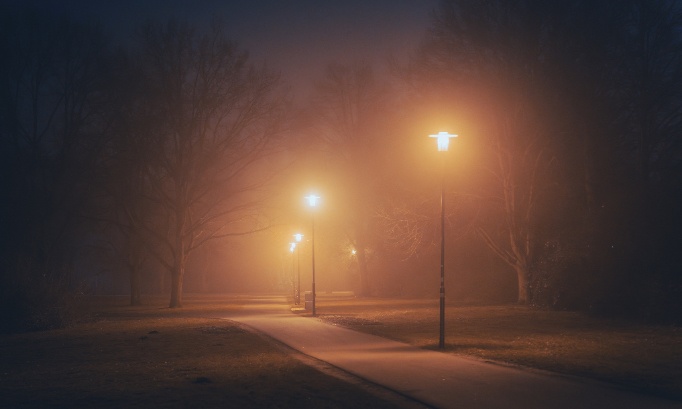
(436, 379)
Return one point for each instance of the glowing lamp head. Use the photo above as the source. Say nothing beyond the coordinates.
(312, 200)
(353, 252)
(443, 139)
(298, 237)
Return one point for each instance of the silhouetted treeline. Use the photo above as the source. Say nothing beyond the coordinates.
(135, 156)
(566, 172)
(577, 106)
(52, 122)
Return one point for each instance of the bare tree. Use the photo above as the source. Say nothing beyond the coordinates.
(571, 100)
(511, 206)
(125, 201)
(50, 115)
(492, 53)
(215, 118)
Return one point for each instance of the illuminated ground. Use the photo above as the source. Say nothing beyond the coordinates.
(640, 357)
(440, 379)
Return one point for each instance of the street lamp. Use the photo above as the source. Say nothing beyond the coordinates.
(312, 202)
(292, 248)
(443, 139)
(298, 237)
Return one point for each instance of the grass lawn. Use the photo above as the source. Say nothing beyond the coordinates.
(152, 356)
(638, 357)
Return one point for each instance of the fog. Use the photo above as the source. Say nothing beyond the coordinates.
(178, 160)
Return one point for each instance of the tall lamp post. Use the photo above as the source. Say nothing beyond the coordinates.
(443, 139)
(298, 237)
(312, 202)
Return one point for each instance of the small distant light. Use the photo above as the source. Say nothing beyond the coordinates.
(298, 237)
(353, 252)
(292, 247)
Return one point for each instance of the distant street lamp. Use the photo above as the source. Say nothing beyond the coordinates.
(443, 139)
(312, 202)
(298, 237)
(292, 248)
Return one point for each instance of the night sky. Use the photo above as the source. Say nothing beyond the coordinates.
(297, 38)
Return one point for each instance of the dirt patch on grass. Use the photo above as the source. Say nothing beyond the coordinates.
(150, 356)
(637, 357)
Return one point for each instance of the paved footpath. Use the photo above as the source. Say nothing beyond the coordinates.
(438, 379)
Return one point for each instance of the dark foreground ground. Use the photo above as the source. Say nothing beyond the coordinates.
(151, 356)
(154, 357)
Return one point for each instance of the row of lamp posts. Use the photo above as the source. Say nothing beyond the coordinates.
(293, 246)
(443, 141)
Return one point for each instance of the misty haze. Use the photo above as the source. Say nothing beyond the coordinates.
(453, 175)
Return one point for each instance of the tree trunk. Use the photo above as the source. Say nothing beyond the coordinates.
(177, 275)
(522, 279)
(179, 254)
(514, 260)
